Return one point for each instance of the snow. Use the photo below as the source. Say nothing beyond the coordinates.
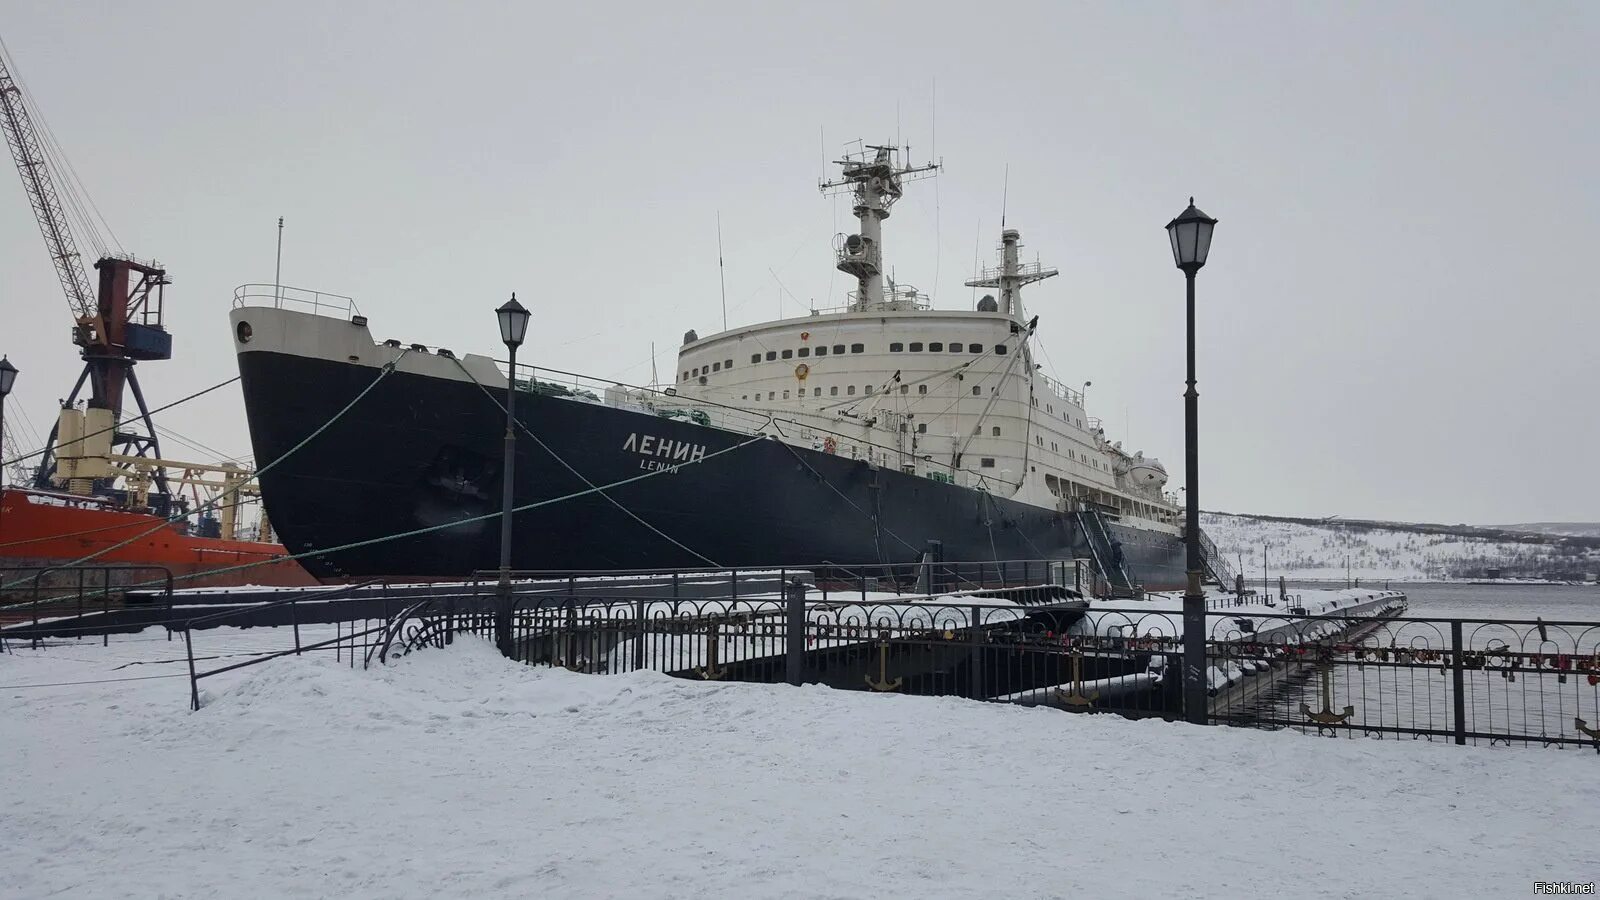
(1318, 552)
(456, 773)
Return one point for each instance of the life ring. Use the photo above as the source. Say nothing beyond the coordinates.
(801, 371)
(830, 444)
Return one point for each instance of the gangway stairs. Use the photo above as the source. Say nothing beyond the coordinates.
(1106, 555)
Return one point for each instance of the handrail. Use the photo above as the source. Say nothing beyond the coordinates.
(321, 302)
(287, 601)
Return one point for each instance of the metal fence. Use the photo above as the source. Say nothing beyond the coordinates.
(1017, 631)
(65, 597)
(1374, 675)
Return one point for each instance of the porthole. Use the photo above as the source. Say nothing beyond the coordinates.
(244, 332)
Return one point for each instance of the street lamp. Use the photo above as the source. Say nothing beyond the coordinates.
(1190, 234)
(513, 318)
(8, 377)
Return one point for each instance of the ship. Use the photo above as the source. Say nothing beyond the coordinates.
(879, 431)
(52, 539)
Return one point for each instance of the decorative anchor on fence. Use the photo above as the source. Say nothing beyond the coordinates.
(1077, 698)
(883, 683)
(1591, 732)
(1326, 717)
(709, 671)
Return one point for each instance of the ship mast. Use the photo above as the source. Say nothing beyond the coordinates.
(1009, 276)
(874, 178)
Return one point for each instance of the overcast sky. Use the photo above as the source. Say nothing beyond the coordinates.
(1399, 318)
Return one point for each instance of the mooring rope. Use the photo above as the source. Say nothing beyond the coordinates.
(846, 498)
(383, 373)
(580, 476)
(40, 452)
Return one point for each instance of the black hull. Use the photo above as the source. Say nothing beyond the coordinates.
(418, 452)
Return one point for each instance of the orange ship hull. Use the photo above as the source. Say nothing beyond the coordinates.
(41, 529)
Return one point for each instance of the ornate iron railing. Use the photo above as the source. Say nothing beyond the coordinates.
(1359, 671)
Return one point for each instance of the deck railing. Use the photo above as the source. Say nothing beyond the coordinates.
(280, 296)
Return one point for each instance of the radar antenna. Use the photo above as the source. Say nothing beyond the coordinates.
(874, 177)
(1009, 276)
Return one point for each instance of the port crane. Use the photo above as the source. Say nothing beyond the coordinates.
(118, 322)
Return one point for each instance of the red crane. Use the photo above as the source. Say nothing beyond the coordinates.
(118, 317)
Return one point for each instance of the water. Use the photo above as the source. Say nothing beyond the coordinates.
(1537, 701)
(1553, 602)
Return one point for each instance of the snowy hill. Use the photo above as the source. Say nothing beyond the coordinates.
(1568, 529)
(1302, 549)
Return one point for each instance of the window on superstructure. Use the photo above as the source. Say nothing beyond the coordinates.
(816, 392)
(822, 351)
(955, 347)
(922, 428)
(833, 391)
(727, 364)
(996, 431)
(772, 355)
(685, 377)
(974, 348)
(866, 389)
(803, 351)
(839, 349)
(695, 371)
(999, 349)
(1040, 439)
(936, 347)
(905, 388)
(788, 354)
(772, 395)
(1049, 409)
(755, 357)
(851, 390)
(977, 390)
(916, 347)
(986, 462)
(785, 395)
(922, 389)
(904, 427)
(858, 348)
(897, 348)
(716, 367)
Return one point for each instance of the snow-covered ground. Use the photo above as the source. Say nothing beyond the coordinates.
(1312, 552)
(456, 773)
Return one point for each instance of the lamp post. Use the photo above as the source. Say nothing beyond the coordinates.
(8, 377)
(513, 318)
(1190, 234)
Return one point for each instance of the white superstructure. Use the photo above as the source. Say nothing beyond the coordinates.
(952, 395)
